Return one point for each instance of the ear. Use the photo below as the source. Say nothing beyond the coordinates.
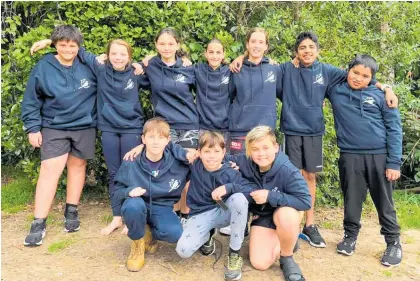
(142, 139)
(277, 147)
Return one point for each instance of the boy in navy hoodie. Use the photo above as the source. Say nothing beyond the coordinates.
(369, 136)
(213, 182)
(280, 200)
(147, 189)
(59, 115)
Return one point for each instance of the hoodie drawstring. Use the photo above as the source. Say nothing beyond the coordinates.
(361, 105)
(150, 194)
(207, 83)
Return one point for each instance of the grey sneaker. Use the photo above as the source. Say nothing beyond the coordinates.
(71, 220)
(209, 247)
(393, 254)
(347, 245)
(36, 234)
(233, 270)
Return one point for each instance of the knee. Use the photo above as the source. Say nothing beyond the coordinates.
(170, 233)
(134, 206)
(286, 218)
(183, 250)
(259, 263)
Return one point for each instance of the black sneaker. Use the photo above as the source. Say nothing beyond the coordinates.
(393, 254)
(291, 269)
(36, 234)
(233, 270)
(71, 219)
(346, 246)
(209, 247)
(311, 234)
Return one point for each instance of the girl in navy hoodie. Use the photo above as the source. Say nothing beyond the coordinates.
(253, 91)
(120, 115)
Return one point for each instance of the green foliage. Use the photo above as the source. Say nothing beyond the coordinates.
(386, 30)
(17, 192)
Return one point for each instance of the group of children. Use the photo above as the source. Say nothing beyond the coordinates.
(234, 110)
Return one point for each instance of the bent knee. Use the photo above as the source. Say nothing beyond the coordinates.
(261, 264)
(286, 217)
(183, 251)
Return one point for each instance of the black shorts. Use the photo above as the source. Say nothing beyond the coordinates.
(263, 221)
(185, 138)
(305, 152)
(236, 144)
(80, 143)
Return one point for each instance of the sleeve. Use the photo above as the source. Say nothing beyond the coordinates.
(239, 159)
(296, 193)
(335, 76)
(178, 152)
(32, 103)
(90, 60)
(237, 184)
(123, 184)
(142, 81)
(279, 87)
(392, 121)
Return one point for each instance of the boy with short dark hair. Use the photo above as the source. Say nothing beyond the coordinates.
(59, 115)
(369, 136)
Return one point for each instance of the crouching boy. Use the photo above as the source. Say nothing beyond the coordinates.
(147, 188)
(218, 196)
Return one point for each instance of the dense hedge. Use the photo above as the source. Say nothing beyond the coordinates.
(388, 31)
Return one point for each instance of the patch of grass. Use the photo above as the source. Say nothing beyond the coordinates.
(408, 209)
(330, 224)
(387, 273)
(107, 218)
(60, 245)
(17, 192)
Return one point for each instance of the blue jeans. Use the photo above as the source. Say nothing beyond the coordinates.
(115, 146)
(163, 221)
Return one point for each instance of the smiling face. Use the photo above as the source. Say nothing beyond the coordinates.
(263, 152)
(307, 52)
(212, 157)
(214, 54)
(155, 142)
(66, 51)
(167, 46)
(359, 77)
(256, 46)
(118, 56)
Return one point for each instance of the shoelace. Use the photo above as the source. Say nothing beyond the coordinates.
(138, 250)
(37, 227)
(391, 250)
(348, 240)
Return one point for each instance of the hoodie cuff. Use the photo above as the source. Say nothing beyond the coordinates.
(393, 166)
(273, 198)
(35, 129)
(229, 188)
(128, 190)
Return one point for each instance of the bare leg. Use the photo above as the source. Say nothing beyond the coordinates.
(264, 247)
(287, 221)
(311, 181)
(76, 172)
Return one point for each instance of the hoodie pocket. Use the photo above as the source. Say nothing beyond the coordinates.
(72, 121)
(250, 116)
(121, 116)
(177, 113)
(304, 119)
(360, 135)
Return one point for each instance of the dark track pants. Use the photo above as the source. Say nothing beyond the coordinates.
(358, 174)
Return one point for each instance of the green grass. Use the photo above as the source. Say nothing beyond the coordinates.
(17, 192)
(107, 218)
(60, 245)
(408, 209)
(387, 273)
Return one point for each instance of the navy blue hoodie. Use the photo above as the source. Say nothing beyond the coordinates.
(212, 96)
(59, 97)
(163, 189)
(253, 91)
(172, 96)
(285, 183)
(303, 92)
(203, 183)
(119, 107)
(365, 124)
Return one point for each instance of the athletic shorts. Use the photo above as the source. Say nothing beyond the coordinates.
(185, 138)
(263, 221)
(80, 143)
(305, 152)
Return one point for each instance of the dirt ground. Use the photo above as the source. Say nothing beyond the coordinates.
(90, 256)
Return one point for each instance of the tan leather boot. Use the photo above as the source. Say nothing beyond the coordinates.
(151, 245)
(135, 260)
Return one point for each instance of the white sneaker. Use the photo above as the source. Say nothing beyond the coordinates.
(225, 230)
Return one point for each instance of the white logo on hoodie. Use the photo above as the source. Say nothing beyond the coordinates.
(84, 83)
(130, 85)
(180, 78)
(174, 184)
(369, 100)
(319, 79)
(271, 77)
(225, 80)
